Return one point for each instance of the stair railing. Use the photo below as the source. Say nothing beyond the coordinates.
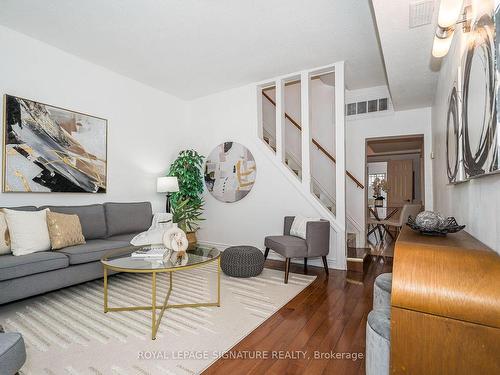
(315, 142)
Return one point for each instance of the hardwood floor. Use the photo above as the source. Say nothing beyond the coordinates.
(328, 316)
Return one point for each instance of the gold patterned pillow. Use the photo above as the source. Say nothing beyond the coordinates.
(64, 230)
(4, 235)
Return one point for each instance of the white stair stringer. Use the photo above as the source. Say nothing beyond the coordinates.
(352, 225)
(337, 255)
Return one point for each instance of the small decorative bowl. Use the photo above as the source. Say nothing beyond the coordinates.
(450, 226)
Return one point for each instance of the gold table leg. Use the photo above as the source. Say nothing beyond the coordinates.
(218, 282)
(105, 290)
(155, 322)
(153, 306)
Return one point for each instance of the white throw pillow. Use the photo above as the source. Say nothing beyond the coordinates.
(299, 226)
(154, 235)
(28, 231)
(4, 235)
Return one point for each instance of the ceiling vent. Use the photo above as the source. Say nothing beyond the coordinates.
(421, 13)
(369, 106)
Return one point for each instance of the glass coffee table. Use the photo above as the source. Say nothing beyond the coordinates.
(120, 260)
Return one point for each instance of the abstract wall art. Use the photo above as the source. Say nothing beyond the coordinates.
(50, 149)
(230, 172)
(472, 142)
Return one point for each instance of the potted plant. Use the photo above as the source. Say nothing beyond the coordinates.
(379, 185)
(187, 215)
(187, 203)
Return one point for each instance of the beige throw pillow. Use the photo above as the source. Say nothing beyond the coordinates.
(64, 230)
(4, 235)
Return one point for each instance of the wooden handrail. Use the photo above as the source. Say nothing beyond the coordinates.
(315, 142)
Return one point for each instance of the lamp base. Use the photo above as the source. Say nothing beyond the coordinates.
(168, 206)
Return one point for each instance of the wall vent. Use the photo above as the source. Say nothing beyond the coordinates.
(369, 106)
(421, 13)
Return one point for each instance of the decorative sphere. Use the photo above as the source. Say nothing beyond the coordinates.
(430, 220)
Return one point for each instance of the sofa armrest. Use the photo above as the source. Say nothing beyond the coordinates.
(318, 238)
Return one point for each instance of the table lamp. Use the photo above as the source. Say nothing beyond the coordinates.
(167, 185)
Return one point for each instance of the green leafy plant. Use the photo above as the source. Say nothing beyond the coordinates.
(188, 170)
(187, 214)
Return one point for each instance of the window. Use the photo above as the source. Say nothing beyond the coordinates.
(373, 176)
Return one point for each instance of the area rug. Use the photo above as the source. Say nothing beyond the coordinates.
(66, 331)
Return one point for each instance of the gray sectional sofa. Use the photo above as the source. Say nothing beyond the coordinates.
(105, 227)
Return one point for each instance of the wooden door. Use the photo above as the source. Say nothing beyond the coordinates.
(399, 182)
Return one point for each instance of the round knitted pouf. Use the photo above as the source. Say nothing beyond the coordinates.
(242, 261)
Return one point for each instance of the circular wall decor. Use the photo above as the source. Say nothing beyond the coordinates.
(478, 88)
(452, 136)
(230, 172)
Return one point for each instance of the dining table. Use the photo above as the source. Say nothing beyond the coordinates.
(379, 215)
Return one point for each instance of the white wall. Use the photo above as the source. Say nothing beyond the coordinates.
(411, 122)
(232, 115)
(145, 126)
(475, 203)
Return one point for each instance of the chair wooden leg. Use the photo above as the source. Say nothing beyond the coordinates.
(287, 269)
(305, 265)
(266, 253)
(325, 264)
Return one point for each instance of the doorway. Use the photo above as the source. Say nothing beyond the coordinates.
(395, 176)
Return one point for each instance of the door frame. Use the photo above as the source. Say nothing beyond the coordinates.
(423, 165)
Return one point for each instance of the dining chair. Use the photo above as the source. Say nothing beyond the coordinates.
(398, 222)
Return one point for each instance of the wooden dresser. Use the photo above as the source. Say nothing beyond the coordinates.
(445, 307)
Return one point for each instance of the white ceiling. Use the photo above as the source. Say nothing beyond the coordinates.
(192, 48)
(411, 72)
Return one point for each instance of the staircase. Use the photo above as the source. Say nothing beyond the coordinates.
(288, 144)
(355, 254)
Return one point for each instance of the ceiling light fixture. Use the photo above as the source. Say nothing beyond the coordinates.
(449, 11)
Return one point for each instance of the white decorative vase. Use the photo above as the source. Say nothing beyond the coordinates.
(175, 239)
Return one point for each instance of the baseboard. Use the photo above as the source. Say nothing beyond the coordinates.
(274, 256)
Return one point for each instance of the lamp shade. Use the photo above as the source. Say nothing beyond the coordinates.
(167, 185)
(441, 46)
(449, 11)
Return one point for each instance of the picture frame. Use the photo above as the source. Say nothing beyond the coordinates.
(52, 149)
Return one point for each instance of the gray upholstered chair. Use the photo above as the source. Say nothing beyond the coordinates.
(316, 244)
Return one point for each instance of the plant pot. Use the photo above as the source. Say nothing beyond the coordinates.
(192, 241)
(379, 202)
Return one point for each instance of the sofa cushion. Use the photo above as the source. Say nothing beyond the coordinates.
(92, 218)
(124, 218)
(123, 237)
(12, 352)
(91, 251)
(22, 208)
(12, 266)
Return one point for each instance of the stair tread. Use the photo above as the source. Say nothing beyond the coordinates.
(357, 253)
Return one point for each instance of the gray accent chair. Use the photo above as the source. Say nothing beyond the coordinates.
(316, 244)
(12, 353)
(105, 227)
